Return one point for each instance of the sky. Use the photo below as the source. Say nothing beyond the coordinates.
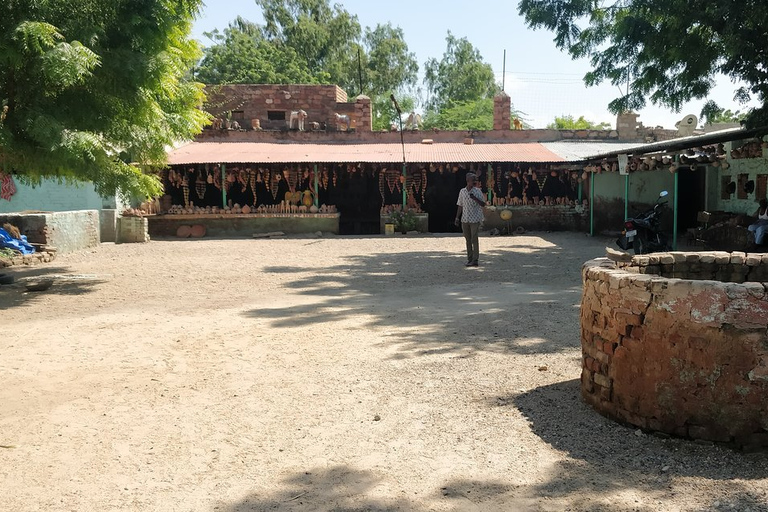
(542, 81)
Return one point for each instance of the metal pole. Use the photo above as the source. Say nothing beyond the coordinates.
(592, 204)
(317, 188)
(504, 72)
(581, 190)
(626, 196)
(223, 185)
(488, 183)
(402, 143)
(405, 181)
(674, 219)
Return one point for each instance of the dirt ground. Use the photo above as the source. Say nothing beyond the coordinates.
(348, 374)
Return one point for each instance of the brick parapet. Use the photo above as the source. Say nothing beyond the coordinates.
(730, 267)
(683, 357)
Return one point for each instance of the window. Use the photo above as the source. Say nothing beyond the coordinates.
(741, 186)
(238, 115)
(276, 115)
(762, 187)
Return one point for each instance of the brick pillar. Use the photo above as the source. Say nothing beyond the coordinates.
(626, 125)
(363, 114)
(502, 106)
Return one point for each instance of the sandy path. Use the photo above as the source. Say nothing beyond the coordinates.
(329, 374)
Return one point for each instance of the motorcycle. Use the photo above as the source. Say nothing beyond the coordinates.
(643, 234)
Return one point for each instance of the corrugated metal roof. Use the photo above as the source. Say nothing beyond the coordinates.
(574, 151)
(270, 152)
(692, 141)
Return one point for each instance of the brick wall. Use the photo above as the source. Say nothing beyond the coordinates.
(684, 357)
(502, 111)
(132, 230)
(235, 226)
(247, 102)
(67, 231)
(728, 267)
(540, 218)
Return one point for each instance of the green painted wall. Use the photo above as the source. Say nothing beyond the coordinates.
(52, 196)
(644, 186)
(751, 166)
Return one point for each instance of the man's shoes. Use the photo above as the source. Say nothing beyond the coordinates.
(471, 264)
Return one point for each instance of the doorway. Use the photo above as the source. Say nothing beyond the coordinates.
(691, 189)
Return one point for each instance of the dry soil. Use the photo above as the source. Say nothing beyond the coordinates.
(326, 374)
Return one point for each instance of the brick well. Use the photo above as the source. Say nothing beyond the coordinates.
(678, 343)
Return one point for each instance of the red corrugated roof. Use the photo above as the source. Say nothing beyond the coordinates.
(269, 152)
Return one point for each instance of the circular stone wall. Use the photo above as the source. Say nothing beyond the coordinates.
(667, 348)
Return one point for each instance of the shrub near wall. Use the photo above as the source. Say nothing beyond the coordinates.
(682, 356)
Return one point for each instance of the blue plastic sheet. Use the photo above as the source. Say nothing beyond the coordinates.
(19, 244)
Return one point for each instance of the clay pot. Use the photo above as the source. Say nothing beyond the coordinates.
(197, 231)
(246, 209)
(313, 209)
(184, 231)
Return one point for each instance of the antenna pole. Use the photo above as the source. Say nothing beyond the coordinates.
(504, 72)
(360, 69)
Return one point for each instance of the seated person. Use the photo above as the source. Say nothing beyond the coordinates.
(760, 227)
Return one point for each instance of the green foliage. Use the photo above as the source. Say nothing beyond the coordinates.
(87, 87)
(390, 66)
(713, 114)
(461, 76)
(312, 41)
(384, 113)
(326, 37)
(243, 56)
(404, 221)
(463, 115)
(667, 51)
(569, 123)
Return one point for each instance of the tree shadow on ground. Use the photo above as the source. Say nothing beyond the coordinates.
(64, 283)
(605, 457)
(522, 299)
(342, 488)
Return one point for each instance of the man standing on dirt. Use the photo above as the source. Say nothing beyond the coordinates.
(470, 215)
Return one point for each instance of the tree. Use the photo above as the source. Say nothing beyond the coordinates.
(390, 66)
(325, 37)
(384, 113)
(89, 87)
(462, 115)
(310, 41)
(241, 55)
(663, 50)
(713, 114)
(569, 123)
(461, 76)
(474, 115)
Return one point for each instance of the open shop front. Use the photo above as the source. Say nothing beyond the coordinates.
(356, 188)
(714, 182)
